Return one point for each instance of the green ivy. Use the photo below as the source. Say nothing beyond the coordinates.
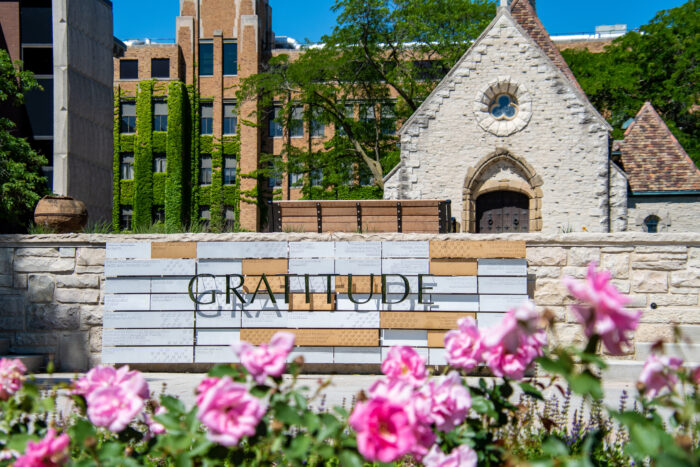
(160, 182)
(344, 192)
(126, 189)
(143, 157)
(126, 142)
(116, 188)
(160, 138)
(216, 208)
(173, 193)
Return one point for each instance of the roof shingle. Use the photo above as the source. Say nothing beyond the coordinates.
(653, 158)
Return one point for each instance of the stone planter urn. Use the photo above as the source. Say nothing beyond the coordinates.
(62, 214)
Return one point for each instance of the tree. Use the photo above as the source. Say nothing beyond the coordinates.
(658, 63)
(381, 61)
(21, 186)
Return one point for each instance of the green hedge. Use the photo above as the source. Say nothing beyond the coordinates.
(343, 192)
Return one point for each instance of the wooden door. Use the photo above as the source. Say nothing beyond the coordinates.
(502, 211)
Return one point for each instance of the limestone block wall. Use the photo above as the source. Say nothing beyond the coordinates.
(676, 213)
(51, 286)
(561, 136)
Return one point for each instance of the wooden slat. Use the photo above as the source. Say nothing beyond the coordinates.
(178, 250)
(436, 339)
(251, 283)
(360, 284)
(332, 212)
(380, 211)
(477, 249)
(264, 266)
(419, 211)
(317, 302)
(317, 337)
(453, 267)
(421, 320)
(298, 212)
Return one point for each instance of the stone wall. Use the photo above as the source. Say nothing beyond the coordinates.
(676, 213)
(51, 286)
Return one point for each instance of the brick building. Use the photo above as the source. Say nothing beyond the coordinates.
(68, 45)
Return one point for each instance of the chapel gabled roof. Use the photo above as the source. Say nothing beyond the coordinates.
(523, 13)
(653, 158)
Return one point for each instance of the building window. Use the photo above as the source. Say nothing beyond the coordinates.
(206, 58)
(504, 107)
(296, 123)
(651, 224)
(316, 126)
(159, 214)
(349, 115)
(274, 126)
(204, 215)
(229, 170)
(230, 119)
(128, 113)
(38, 60)
(160, 163)
(230, 58)
(126, 167)
(296, 180)
(125, 218)
(128, 69)
(316, 177)
(160, 68)
(367, 114)
(35, 22)
(230, 217)
(205, 170)
(274, 180)
(160, 116)
(388, 119)
(206, 121)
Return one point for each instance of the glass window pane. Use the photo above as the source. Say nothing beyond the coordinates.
(128, 69)
(230, 58)
(160, 68)
(230, 119)
(205, 170)
(39, 106)
(296, 129)
(160, 108)
(274, 127)
(128, 109)
(38, 60)
(207, 110)
(36, 26)
(206, 58)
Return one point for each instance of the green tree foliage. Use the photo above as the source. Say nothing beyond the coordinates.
(21, 185)
(381, 61)
(658, 63)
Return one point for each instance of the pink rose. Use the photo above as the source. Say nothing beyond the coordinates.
(463, 346)
(695, 376)
(229, 412)
(659, 373)
(52, 451)
(404, 363)
(419, 402)
(113, 407)
(503, 362)
(106, 376)
(154, 427)
(11, 377)
(451, 401)
(603, 311)
(461, 456)
(385, 429)
(267, 359)
(516, 326)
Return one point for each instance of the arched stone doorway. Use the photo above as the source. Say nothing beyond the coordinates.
(508, 176)
(502, 212)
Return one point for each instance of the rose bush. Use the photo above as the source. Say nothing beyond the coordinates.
(252, 414)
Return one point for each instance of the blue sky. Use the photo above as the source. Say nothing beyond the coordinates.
(310, 19)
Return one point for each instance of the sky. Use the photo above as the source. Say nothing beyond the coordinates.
(311, 19)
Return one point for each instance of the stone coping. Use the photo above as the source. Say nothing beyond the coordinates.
(532, 239)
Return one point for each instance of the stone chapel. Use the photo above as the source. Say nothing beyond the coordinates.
(511, 139)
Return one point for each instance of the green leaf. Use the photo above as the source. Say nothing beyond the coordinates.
(81, 431)
(645, 439)
(350, 459)
(111, 450)
(531, 390)
(482, 405)
(311, 420)
(183, 460)
(299, 447)
(585, 383)
(286, 414)
(172, 404)
(18, 442)
(555, 447)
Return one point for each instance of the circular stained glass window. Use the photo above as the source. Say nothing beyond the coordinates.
(504, 107)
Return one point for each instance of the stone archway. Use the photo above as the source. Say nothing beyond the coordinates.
(502, 171)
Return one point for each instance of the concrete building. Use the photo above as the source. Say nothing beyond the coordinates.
(68, 44)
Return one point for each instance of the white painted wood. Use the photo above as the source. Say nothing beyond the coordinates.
(216, 283)
(396, 285)
(488, 320)
(358, 267)
(170, 284)
(311, 266)
(132, 302)
(450, 284)
(137, 337)
(454, 302)
(422, 351)
(357, 355)
(343, 302)
(333, 319)
(218, 303)
(218, 319)
(263, 301)
(214, 354)
(148, 319)
(127, 285)
(149, 267)
(218, 336)
(503, 285)
(502, 267)
(500, 302)
(311, 249)
(437, 357)
(411, 337)
(406, 249)
(358, 250)
(240, 250)
(219, 267)
(147, 355)
(317, 284)
(264, 319)
(405, 266)
(312, 354)
(172, 302)
(128, 250)
(409, 304)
